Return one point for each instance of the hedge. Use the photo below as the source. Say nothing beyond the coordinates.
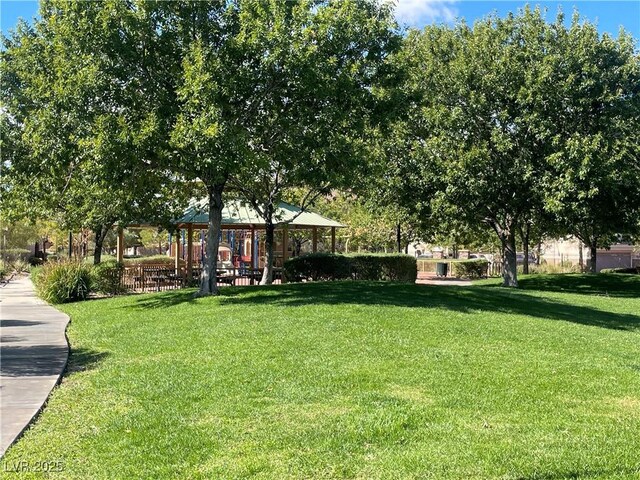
(327, 266)
(473, 268)
(13, 254)
(631, 270)
(153, 260)
(316, 267)
(390, 267)
(107, 278)
(62, 282)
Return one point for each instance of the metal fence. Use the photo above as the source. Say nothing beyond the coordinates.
(156, 278)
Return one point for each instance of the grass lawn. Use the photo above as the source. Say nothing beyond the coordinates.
(351, 380)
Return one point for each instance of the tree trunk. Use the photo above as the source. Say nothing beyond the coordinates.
(580, 257)
(398, 238)
(101, 233)
(510, 259)
(594, 253)
(267, 273)
(524, 236)
(208, 278)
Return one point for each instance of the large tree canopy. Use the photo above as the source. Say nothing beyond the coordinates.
(499, 139)
(73, 132)
(592, 183)
(254, 91)
(275, 95)
(316, 71)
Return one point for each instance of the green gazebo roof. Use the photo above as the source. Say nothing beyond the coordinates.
(237, 213)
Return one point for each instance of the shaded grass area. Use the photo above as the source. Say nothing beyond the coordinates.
(352, 380)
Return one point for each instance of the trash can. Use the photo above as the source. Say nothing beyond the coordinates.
(441, 269)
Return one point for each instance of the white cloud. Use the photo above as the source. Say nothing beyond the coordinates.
(421, 12)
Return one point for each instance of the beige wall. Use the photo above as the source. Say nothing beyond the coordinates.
(556, 252)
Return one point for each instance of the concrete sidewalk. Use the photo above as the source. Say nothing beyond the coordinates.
(33, 355)
(433, 280)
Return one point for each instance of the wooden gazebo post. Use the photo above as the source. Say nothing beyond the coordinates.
(177, 253)
(120, 245)
(315, 239)
(285, 243)
(189, 252)
(285, 249)
(333, 239)
(253, 254)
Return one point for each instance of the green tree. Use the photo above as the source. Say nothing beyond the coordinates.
(312, 67)
(154, 238)
(485, 120)
(593, 180)
(76, 138)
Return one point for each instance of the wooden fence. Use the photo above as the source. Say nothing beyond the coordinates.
(159, 277)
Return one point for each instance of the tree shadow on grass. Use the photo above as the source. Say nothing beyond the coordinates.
(465, 299)
(587, 473)
(172, 298)
(609, 285)
(83, 359)
(166, 299)
(460, 299)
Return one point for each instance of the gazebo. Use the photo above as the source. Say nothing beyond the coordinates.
(241, 227)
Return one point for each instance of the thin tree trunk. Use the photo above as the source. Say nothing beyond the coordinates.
(267, 273)
(539, 254)
(594, 253)
(398, 238)
(101, 233)
(580, 257)
(208, 278)
(524, 236)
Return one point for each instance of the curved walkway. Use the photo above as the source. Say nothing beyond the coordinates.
(33, 355)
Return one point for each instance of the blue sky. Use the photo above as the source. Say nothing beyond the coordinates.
(610, 15)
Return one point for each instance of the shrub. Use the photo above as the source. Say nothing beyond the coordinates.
(327, 266)
(106, 278)
(3, 269)
(388, 267)
(153, 259)
(62, 282)
(35, 273)
(35, 261)
(631, 270)
(317, 266)
(20, 266)
(13, 254)
(474, 268)
(550, 269)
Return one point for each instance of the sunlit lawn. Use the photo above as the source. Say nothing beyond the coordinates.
(352, 380)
